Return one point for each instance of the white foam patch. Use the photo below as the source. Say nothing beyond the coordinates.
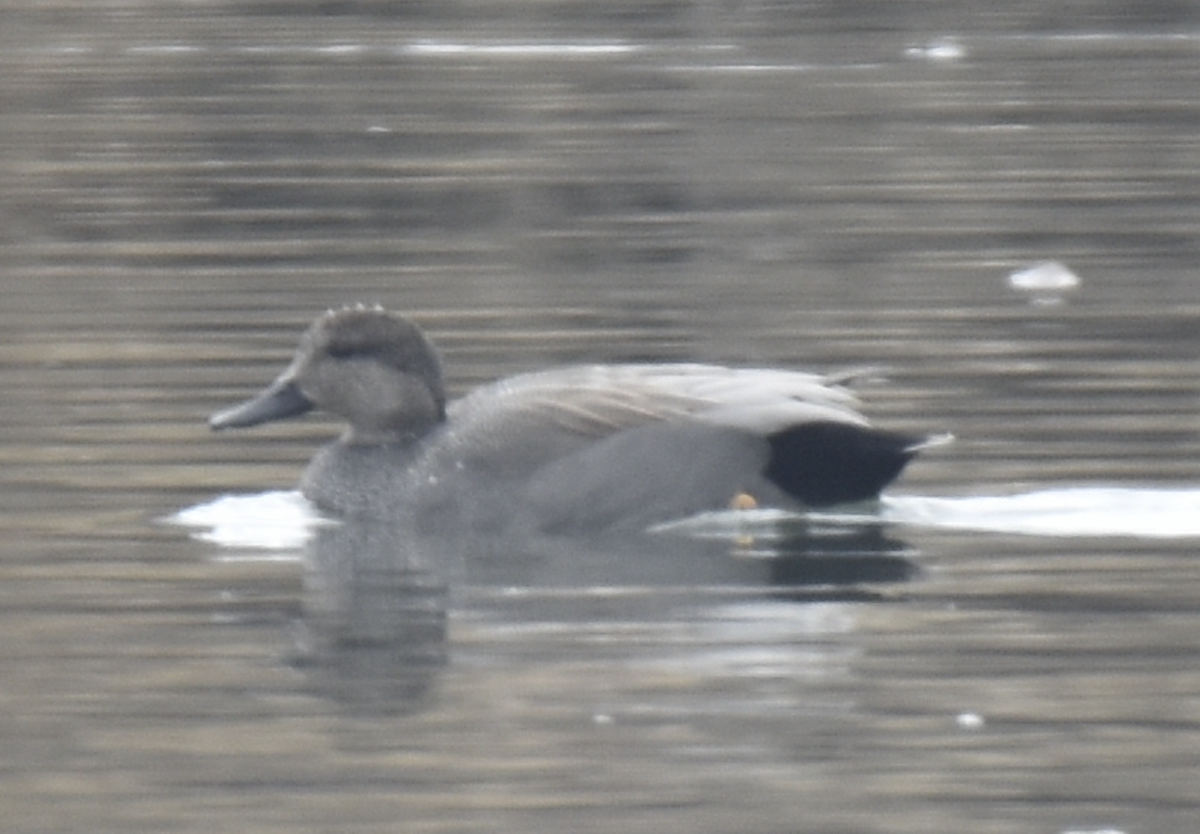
(1076, 511)
(938, 50)
(269, 520)
(1047, 276)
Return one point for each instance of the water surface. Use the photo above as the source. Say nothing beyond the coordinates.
(820, 186)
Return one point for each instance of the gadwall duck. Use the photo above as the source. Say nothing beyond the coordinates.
(583, 448)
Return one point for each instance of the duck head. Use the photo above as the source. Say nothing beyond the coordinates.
(373, 368)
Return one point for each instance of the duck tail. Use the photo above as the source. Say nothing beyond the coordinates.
(824, 463)
(861, 375)
(933, 441)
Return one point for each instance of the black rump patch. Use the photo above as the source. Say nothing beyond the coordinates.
(826, 463)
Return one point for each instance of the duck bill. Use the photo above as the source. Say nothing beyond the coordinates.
(278, 402)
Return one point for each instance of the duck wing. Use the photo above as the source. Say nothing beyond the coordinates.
(605, 447)
(538, 417)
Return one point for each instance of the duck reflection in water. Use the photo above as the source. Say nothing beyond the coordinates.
(582, 449)
(374, 633)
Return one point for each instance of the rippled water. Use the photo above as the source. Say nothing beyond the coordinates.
(1007, 645)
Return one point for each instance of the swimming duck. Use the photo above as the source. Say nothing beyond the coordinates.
(583, 448)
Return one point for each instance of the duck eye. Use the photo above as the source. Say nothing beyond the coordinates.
(352, 350)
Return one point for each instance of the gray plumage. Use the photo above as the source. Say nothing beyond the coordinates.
(577, 448)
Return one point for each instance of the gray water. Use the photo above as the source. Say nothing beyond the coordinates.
(184, 186)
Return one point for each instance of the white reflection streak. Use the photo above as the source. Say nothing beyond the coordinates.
(165, 49)
(518, 49)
